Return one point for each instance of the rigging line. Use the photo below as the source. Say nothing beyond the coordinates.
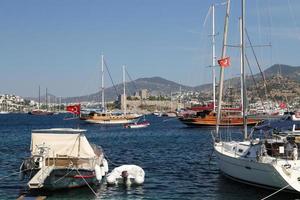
(131, 81)
(134, 84)
(255, 82)
(87, 183)
(112, 81)
(261, 72)
(292, 14)
(254, 54)
(206, 17)
(275, 192)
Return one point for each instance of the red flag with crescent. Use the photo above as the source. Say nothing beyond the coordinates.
(74, 109)
(224, 62)
(282, 105)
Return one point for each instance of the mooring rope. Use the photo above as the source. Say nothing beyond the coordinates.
(12, 174)
(114, 164)
(275, 192)
(87, 183)
(64, 176)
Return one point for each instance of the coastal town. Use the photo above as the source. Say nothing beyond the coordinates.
(150, 100)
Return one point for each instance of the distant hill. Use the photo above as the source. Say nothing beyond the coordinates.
(158, 85)
(155, 85)
(293, 73)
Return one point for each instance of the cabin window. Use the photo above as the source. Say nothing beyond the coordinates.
(240, 150)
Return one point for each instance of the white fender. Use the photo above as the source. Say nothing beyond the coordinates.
(98, 172)
(105, 165)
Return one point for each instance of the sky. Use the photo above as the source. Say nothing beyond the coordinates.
(57, 44)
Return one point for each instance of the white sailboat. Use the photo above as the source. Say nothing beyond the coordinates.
(270, 163)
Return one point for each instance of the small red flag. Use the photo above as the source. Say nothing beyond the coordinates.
(282, 105)
(74, 109)
(224, 62)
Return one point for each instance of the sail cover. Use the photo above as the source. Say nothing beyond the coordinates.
(71, 145)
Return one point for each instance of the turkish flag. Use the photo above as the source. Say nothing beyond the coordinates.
(282, 105)
(74, 109)
(224, 62)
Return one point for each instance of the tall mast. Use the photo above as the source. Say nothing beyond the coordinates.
(39, 97)
(124, 91)
(241, 62)
(222, 68)
(243, 70)
(213, 56)
(46, 98)
(102, 82)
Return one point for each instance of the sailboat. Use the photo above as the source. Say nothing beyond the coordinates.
(206, 115)
(106, 117)
(269, 163)
(39, 111)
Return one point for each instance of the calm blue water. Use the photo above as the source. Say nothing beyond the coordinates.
(175, 160)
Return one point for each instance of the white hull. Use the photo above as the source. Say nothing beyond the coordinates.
(122, 121)
(268, 173)
(138, 126)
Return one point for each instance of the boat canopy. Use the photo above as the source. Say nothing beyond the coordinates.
(61, 144)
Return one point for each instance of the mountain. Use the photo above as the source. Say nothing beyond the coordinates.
(158, 85)
(293, 73)
(154, 85)
(290, 72)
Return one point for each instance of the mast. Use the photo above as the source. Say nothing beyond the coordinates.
(243, 70)
(39, 97)
(46, 98)
(213, 56)
(241, 62)
(222, 68)
(59, 107)
(124, 91)
(102, 82)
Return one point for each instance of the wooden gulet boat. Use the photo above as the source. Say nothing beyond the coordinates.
(209, 118)
(106, 117)
(63, 158)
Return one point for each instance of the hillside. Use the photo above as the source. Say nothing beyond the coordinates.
(157, 85)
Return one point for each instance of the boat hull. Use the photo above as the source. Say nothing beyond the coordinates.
(250, 172)
(137, 125)
(40, 112)
(212, 122)
(68, 178)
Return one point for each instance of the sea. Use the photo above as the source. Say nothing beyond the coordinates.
(178, 161)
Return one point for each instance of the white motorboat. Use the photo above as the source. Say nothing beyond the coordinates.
(63, 158)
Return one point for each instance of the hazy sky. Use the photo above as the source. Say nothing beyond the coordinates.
(57, 43)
